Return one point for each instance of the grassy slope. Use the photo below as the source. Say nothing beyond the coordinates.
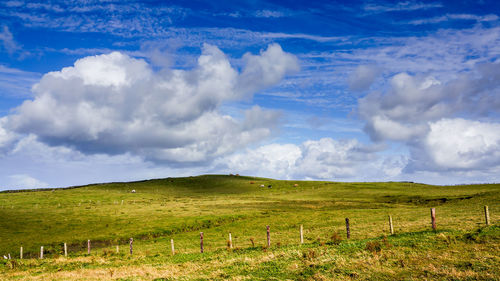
(180, 208)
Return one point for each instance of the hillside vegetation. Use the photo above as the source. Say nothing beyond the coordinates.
(463, 247)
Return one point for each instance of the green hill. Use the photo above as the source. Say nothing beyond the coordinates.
(179, 208)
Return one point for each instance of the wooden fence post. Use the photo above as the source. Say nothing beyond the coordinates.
(230, 241)
(172, 246)
(201, 242)
(21, 253)
(301, 235)
(131, 247)
(41, 252)
(487, 215)
(88, 246)
(65, 250)
(390, 225)
(433, 218)
(117, 249)
(268, 236)
(348, 230)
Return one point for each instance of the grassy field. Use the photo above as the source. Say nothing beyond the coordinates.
(462, 248)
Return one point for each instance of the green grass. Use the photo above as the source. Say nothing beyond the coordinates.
(180, 208)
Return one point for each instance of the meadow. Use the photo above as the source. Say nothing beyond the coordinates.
(461, 248)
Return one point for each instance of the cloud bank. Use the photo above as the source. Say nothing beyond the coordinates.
(445, 124)
(325, 158)
(114, 104)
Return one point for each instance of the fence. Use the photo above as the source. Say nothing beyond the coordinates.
(268, 232)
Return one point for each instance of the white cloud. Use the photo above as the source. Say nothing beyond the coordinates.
(362, 77)
(87, 17)
(8, 42)
(17, 83)
(273, 160)
(114, 104)
(23, 181)
(427, 115)
(7, 138)
(448, 17)
(463, 144)
(401, 6)
(268, 68)
(403, 112)
(47, 164)
(14, 3)
(327, 159)
(316, 159)
(269, 14)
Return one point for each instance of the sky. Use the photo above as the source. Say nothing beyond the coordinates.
(99, 91)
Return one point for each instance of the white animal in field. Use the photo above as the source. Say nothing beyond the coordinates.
(262, 185)
(133, 190)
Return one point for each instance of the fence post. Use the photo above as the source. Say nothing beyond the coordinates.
(88, 246)
(487, 215)
(201, 242)
(65, 250)
(301, 235)
(21, 253)
(268, 236)
(131, 247)
(117, 249)
(433, 218)
(41, 252)
(390, 225)
(230, 241)
(348, 230)
(172, 246)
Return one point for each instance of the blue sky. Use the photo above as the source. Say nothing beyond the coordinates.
(95, 91)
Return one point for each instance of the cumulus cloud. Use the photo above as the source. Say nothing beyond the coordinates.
(7, 138)
(362, 77)
(403, 113)
(459, 144)
(115, 103)
(325, 158)
(428, 115)
(266, 69)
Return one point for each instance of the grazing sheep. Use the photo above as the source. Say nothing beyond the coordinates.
(295, 185)
(133, 190)
(262, 185)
